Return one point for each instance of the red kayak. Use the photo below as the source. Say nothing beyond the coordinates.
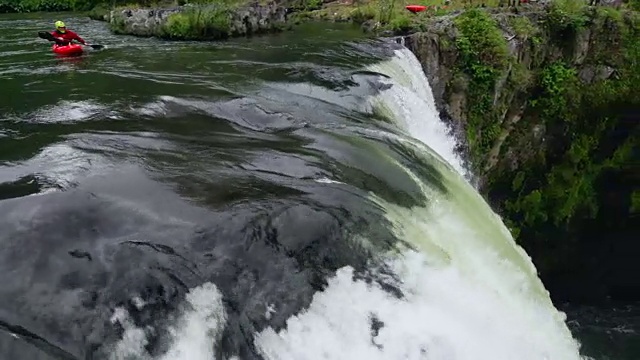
(71, 49)
(415, 8)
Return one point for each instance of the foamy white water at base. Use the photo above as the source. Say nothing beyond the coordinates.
(193, 336)
(444, 316)
(460, 303)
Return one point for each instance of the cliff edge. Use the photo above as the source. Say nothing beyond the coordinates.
(546, 98)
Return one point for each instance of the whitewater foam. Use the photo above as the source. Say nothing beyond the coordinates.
(193, 336)
(409, 102)
(468, 294)
(444, 316)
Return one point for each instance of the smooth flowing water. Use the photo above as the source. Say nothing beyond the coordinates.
(284, 197)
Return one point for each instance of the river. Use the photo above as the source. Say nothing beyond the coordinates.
(293, 196)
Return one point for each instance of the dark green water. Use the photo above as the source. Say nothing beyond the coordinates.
(148, 168)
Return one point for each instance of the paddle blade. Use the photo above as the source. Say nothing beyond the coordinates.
(45, 35)
(97, 47)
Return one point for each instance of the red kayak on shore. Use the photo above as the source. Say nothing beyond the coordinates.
(68, 50)
(415, 8)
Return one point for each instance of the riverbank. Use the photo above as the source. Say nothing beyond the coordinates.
(210, 21)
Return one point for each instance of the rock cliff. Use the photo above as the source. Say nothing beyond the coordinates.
(545, 97)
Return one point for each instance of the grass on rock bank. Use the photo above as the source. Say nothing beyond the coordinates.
(386, 14)
(203, 19)
(200, 22)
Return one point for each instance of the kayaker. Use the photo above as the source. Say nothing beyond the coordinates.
(64, 36)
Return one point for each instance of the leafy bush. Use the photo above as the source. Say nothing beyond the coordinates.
(481, 41)
(567, 16)
(559, 84)
(523, 27)
(100, 12)
(633, 4)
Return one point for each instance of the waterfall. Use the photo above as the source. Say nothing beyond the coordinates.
(469, 291)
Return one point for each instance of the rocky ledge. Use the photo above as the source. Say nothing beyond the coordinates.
(529, 48)
(200, 22)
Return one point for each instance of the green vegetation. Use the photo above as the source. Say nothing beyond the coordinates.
(390, 15)
(633, 4)
(199, 23)
(565, 17)
(385, 14)
(483, 57)
(561, 185)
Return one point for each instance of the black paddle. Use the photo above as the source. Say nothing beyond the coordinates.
(47, 36)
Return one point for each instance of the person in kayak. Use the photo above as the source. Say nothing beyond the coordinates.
(64, 36)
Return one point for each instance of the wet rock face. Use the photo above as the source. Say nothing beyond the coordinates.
(437, 52)
(251, 19)
(257, 18)
(437, 55)
(141, 22)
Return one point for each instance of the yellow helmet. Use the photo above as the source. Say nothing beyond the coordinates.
(60, 26)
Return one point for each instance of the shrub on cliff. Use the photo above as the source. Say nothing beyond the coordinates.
(483, 55)
(633, 4)
(567, 16)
